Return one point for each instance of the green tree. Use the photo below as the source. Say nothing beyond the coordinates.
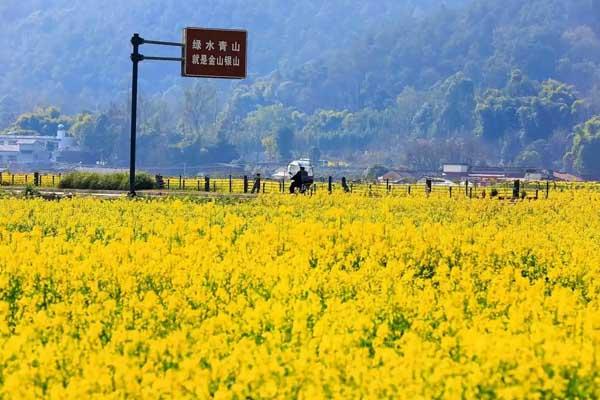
(200, 110)
(269, 128)
(42, 121)
(521, 86)
(458, 105)
(496, 115)
(285, 142)
(583, 155)
(96, 135)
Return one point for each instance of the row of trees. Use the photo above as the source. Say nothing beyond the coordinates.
(526, 123)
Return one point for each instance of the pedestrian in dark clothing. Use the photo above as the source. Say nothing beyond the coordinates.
(296, 179)
(345, 185)
(256, 186)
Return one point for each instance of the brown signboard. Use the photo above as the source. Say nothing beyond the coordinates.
(214, 53)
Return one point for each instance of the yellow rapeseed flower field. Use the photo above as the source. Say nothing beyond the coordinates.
(301, 297)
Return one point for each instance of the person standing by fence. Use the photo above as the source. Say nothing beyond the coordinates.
(345, 185)
(256, 186)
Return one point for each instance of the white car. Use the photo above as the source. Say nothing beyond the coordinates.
(295, 165)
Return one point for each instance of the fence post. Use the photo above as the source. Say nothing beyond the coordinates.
(387, 185)
(409, 190)
(450, 190)
(168, 183)
(547, 189)
(245, 184)
(516, 189)
(352, 188)
(471, 192)
(330, 184)
(198, 184)
(466, 187)
(230, 184)
(183, 186)
(428, 186)
(264, 187)
(12, 180)
(207, 184)
(370, 189)
(26, 178)
(52, 180)
(36, 179)
(179, 182)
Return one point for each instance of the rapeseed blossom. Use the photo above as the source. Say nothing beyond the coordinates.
(330, 296)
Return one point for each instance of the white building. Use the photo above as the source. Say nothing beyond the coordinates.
(450, 169)
(32, 149)
(24, 150)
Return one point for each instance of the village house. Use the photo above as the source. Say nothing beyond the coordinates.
(397, 176)
(24, 150)
(32, 150)
(462, 172)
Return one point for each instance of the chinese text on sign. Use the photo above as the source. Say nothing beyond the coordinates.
(215, 53)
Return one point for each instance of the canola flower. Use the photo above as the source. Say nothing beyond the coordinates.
(300, 297)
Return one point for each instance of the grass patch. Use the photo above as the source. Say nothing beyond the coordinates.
(96, 181)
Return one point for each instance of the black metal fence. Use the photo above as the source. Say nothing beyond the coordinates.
(256, 185)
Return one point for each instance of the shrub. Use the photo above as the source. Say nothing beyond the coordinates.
(96, 181)
(31, 191)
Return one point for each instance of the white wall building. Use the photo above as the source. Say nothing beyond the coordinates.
(455, 168)
(30, 149)
(24, 150)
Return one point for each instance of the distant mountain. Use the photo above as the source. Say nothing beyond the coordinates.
(486, 40)
(75, 54)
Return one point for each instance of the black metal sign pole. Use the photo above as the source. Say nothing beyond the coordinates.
(136, 58)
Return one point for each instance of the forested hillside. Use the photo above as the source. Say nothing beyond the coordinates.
(400, 82)
(74, 53)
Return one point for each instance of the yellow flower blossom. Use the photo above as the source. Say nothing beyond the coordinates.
(324, 296)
